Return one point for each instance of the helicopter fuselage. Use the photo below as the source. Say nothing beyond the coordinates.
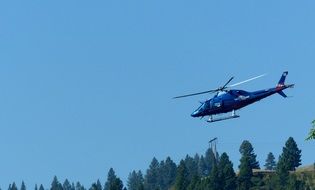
(231, 100)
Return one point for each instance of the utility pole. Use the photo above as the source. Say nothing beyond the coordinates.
(213, 146)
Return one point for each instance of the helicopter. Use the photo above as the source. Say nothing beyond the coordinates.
(229, 100)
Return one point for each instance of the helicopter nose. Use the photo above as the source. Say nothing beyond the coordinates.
(195, 114)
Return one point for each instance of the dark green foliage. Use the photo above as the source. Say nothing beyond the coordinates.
(211, 182)
(78, 186)
(214, 180)
(196, 159)
(192, 167)
(209, 161)
(181, 181)
(96, 186)
(36, 188)
(23, 186)
(56, 185)
(66, 185)
(13, 186)
(311, 134)
(151, 180)
(282, 173)
(194, 184)
(226, 173)
(257, 181)
(284, 179)
(202, 168)
(270, 162)
(270, 181)
(135, 181)
(208, 172)
(113, 182)
(291, 154)
(245, 173)
(41, 187)
(93, 186)
(295, 184)
(160, 175)
(168, 173)
(246, 149)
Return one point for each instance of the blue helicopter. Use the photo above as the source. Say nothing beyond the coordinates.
(230, 100)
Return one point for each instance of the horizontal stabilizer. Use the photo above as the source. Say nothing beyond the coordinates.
(282, 94)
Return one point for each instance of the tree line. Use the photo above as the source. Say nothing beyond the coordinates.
(204, 172)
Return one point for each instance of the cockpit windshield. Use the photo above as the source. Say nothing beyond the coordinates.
(201, 106)
(221, 93)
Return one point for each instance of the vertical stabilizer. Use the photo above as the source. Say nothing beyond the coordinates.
(282, 79)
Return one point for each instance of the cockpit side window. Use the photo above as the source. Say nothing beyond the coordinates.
(241, 92)
(200, 107)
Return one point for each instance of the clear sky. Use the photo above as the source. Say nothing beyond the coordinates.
(87, 85)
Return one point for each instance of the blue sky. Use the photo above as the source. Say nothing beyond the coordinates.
(86, 86)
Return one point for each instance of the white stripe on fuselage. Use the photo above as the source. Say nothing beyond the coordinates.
(241, 97)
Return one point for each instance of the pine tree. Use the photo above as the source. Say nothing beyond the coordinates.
(181, 181)
(36, 188)
(111, 176)
(151, 180)
(192, 167)
(113, 182)
(13, 186)
(135, 181)
(215, 182)
(202, 168)
(282, 172)
(93, 186)
(66, 185)
(167, 173)
(23, 187)
(195, 183)
(246, 149)
(196, 158)
(41, 187)
(226, 173)
(245, 174)
(78, 186)
(96, 186)
(270, 162)
(56, 185)
(292, 154)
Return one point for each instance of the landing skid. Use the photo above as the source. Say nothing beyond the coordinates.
(211, 120)
(222, 118)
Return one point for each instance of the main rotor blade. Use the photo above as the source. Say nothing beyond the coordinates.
(236, 84)
(208, 91)
(194, 94)
(223, 87)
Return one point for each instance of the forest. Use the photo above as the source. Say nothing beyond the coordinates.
(210, 171)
